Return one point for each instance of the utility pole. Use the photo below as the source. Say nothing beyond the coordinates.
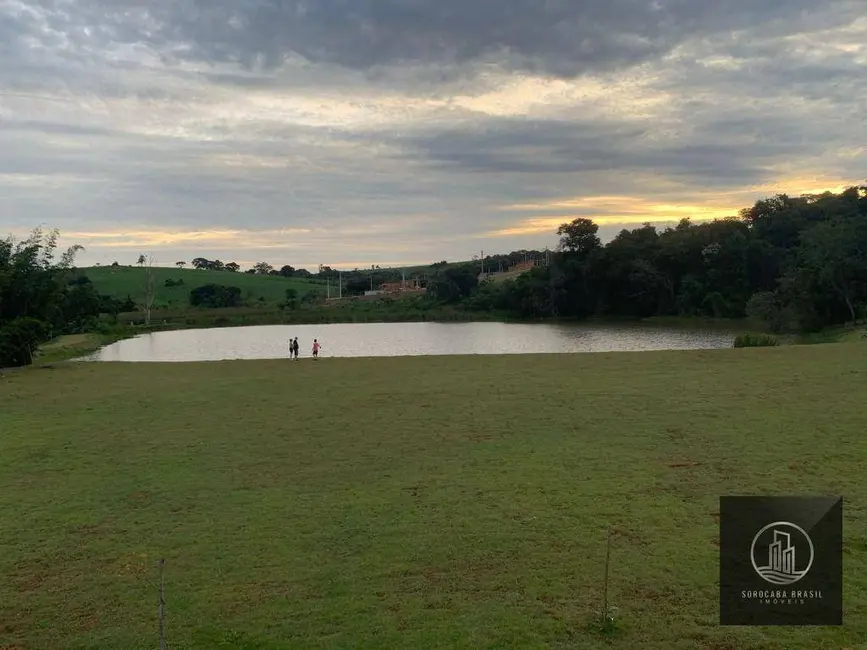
(340, 294)
(483, 262)
(328, 285)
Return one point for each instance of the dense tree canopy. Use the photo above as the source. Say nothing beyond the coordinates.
(792, 262)
(40, 297)
(215, 296)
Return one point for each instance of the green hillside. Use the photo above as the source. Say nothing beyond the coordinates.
(121, 281)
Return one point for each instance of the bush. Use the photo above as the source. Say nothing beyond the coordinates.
(128, 305)
(107, 328)
(755, 341)
(766, 307)
(19, 339)
(215, 296)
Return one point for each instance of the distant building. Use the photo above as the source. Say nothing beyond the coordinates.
(397, 287)
(512, 271)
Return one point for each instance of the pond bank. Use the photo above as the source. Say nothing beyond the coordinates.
(74, 346)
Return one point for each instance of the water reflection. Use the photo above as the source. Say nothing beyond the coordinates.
(403, 339)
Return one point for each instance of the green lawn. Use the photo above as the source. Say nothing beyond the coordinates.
(439, 502)
(120, 281)
(71, 346)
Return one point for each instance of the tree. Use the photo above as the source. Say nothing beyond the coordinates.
(82, 304)
(19, 339)
(208, 265)
(215, 296)
(326, 272)
(181, 264)
(453, 284)
(767, 308)
(150, 289)
(579, 237)
(33, 294)
(287, 271)
(311, 297)
(127, 305)
(357, 284)
(141, 260)
(291, 301)
(262, 268)
(232, 267)
(836, 255)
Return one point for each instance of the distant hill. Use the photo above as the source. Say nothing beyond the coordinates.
(123, 281)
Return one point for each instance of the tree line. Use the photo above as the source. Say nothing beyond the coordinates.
(288, 271)
(794, 263)
(260, 268)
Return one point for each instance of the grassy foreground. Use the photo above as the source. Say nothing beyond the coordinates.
(414, 502)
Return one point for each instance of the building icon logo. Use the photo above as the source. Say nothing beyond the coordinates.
(782, 553)
(794, 575)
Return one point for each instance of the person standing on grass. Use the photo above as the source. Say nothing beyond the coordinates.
(316, 347)
(295, 348)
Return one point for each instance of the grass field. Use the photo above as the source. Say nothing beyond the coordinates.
(71, 346)
(121, 281)
(432, 502)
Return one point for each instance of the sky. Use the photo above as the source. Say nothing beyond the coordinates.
(394, 132)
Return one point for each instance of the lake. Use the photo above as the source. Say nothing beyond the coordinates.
(404, 339)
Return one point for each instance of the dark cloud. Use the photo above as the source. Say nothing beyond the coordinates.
(561, 37)
(723, 152)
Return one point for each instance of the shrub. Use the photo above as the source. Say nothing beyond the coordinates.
(755, 341)
(215, 296)
(19, 339)
(766, 307)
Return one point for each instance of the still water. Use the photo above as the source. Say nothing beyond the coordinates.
(403, 339)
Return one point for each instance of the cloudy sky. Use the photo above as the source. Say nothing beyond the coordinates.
(358, 132)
